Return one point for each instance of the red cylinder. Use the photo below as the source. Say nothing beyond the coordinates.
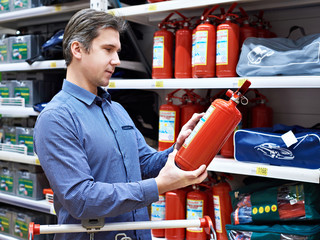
(187, 110)
(246, 31)
(205, 51)
(169, 125)
(262, 115)
(193, 51)
(158, 213)
(211, 132)
(162, 64)
(222, 208)
(183, 53)
(228, 35)
(175, 209)
(196, 208)
(209, 135)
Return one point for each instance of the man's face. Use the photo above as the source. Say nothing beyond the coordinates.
(99, 64)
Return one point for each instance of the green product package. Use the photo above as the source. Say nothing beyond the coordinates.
(273, 232)
(5, 219)
(3, 53)
(5, 6)
(291, 201)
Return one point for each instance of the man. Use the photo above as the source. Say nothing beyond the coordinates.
(95, 159)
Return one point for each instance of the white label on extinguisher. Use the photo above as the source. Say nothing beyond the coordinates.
(158, 52)
(194, 211)
(167, 122)
(158, 209)
(222, 47)
(198, 126)
(201, 47)
(193, 48)
(217, 213)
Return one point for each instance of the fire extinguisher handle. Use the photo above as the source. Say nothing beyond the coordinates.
(245, 86)
(207, 225)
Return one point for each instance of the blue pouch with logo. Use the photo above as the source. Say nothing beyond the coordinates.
(280, 145)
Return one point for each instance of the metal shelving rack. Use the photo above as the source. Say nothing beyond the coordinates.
(150, 14)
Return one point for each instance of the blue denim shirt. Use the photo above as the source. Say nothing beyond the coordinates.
(97, 162)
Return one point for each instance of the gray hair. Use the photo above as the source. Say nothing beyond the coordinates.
(84, 26)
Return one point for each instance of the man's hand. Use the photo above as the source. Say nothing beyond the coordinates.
(171, 177)
(187, 129)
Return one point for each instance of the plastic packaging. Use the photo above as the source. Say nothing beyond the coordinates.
(3, 47)
(25, 136)
(6, 177)
(31, 181)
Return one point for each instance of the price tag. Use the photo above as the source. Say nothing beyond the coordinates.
(152, 7)
(112, 84)
(53, 64)
(112, 12)
(57, 8)
(241, 82)
(159, 84)
(262, 171)
(37, 161)
(52, 211)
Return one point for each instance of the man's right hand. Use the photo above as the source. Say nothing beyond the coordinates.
(171, 177)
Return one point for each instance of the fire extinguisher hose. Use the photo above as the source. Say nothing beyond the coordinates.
(36, 229)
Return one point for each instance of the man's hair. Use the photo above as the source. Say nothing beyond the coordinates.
(84, 26)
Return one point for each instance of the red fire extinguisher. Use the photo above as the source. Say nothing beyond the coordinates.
(228, 34)
(169, 122)
(204, 49)
(162, 64)
(227, 149)
(261, 114)
(196, 208)
(183, 50)
(246, 30)
(211, 132)
(158, 213)
(192, 105)
(222, 207)
(175, 209)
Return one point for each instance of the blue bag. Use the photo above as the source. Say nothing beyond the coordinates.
(281, 145)
(280, 56)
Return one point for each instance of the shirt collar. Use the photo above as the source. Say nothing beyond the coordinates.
(84, 95)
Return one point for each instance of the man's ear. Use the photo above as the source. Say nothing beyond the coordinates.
(76, 50)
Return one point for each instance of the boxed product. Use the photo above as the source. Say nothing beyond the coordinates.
(21, 220)
(4, 47)
(24, 136)
(30, 181)
(24, 47)
(7, 177)
(24, 4)
(9, 134)
(270, 202)
(275, 232)
(5, 220)
(5, 6)
(5, 89)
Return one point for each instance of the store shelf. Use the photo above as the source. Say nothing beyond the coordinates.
(17, 111)
(230, 165)
(37, 205)
(5, 237)
(198, 83)
(59, 64)
(151, 14)
(31, 16)
(18, 157)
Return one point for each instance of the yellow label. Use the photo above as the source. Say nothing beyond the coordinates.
(159, 84)
(261, 209)
(112, 84)
(52, 210)
(262, 171)
(152, 7)
(37, 161)
(53, 64)
(267, 209)
(255, 211)
(241, 82)
(112, 12)
(57, 8)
